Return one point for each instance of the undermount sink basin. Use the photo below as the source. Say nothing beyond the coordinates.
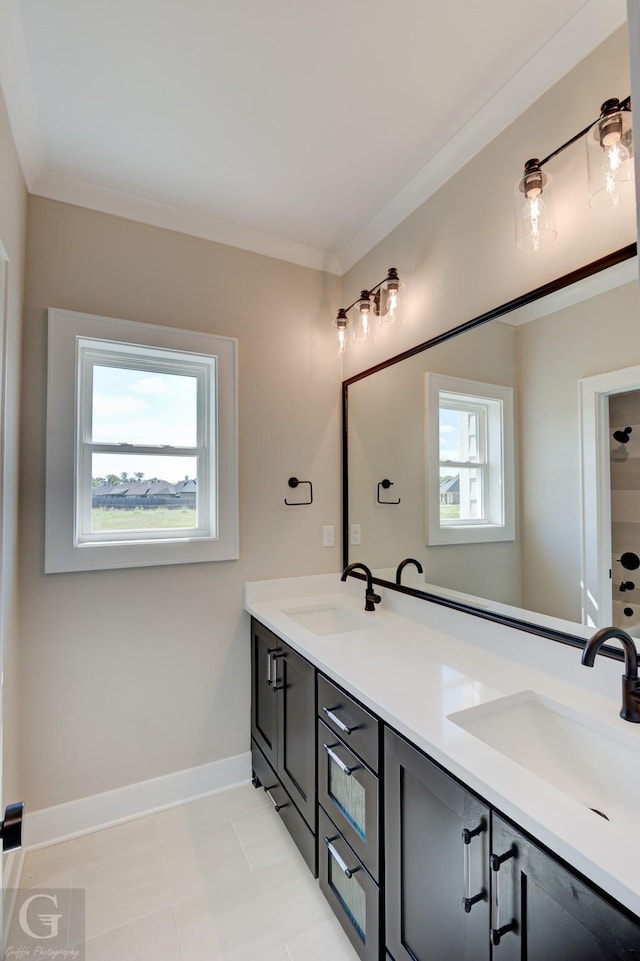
(329, 619)
(595, 765)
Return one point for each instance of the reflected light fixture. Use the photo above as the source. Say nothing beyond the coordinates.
(381, 302)
(609, 141)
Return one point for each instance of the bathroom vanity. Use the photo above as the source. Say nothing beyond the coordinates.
(462, 790)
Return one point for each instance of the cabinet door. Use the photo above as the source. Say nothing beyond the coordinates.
(437, 886)
(296, 698)
(264, 702)
(541, 910)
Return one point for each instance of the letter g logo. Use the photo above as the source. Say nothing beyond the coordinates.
(48, 921)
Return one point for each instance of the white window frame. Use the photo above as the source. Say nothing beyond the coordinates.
(76, 342)
(495, 402)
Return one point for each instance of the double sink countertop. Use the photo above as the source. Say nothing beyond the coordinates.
(514, 716)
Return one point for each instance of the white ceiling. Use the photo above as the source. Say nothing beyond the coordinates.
(304, 130)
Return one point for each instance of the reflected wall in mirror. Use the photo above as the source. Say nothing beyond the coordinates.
(544, 353)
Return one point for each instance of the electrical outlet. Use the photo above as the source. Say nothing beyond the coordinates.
(355, 535)
(328, 536)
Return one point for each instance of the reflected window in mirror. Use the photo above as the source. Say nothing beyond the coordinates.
(470, 457)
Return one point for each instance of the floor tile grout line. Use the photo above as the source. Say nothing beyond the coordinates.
(242, 847)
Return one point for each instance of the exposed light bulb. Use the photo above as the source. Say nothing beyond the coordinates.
(342, 322)
(532, 214)
(364, 307)
(614, 156)
(393, 300)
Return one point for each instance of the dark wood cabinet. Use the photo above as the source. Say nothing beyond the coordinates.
(542, 910)
(430, 870)
(283, 732)
(458, 882)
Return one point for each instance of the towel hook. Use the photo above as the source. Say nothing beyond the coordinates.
(386, 484)
(294, 482)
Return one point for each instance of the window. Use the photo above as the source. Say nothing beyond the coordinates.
(470, 494)
(141, 445)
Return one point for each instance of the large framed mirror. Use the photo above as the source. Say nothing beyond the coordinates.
(504, 457)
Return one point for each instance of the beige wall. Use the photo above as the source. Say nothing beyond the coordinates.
(457, 252)
(137, 673)
(13, 218)
(554, 353)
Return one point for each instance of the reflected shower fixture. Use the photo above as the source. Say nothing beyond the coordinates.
(622, 436)
(609, 142)
(381, 303)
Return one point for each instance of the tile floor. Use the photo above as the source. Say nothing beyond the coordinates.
(218, 879)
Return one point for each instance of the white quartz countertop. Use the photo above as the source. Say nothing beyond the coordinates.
(414, 663)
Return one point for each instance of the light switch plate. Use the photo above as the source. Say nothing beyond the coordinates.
(328, 535)
(355, 535)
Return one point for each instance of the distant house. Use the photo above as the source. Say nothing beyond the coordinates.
(450, 490)
(146, 493)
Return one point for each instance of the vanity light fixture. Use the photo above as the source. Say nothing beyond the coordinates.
(381, 303)
(609, 142)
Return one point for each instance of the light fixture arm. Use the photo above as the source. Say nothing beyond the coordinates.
(392, 274)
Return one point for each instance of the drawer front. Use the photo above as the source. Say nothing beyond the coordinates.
(350, 794)
(295, 824)
(350, 721)
(349, 889)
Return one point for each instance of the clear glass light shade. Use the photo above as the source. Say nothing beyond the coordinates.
(344, 330)
(388, 303)
(610, 160)
(534, 215)
(364, 318)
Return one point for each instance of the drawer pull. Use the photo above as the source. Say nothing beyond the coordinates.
(343, 767)
(346, 870)
(329, 711)
(269, 650)
(276, 806)
(468, 900)
(497, 930)
(275, 654)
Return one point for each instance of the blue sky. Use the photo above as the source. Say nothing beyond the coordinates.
(143, 407)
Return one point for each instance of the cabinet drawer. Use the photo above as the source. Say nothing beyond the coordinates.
(295, 824)
(349, 793)
(349, 889)
(350, 721)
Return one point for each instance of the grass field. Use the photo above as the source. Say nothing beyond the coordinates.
(449, 511)
(141, 519)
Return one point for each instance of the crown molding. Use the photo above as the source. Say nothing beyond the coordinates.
(81, 193)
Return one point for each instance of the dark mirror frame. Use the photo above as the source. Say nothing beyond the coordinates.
(610, 260)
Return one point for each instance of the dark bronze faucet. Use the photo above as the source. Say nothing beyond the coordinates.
(404, 563)
(630, 709)
(370, 597)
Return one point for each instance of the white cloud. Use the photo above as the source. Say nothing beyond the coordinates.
(448, 429)
(106, 406)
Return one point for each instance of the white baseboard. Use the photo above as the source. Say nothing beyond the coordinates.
(74, 818)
